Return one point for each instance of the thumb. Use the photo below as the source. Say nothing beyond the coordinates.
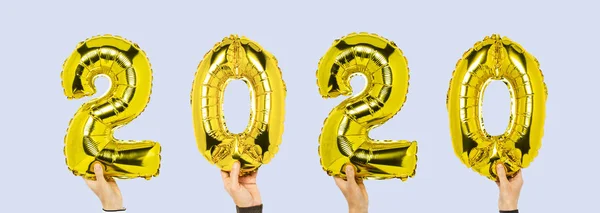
(501, 172)
(99, 171)
(235, 173)
(350, 176)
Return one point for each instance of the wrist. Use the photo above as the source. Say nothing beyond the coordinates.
(357, 209)
(507, 205)
(248, 204)
(112, 206)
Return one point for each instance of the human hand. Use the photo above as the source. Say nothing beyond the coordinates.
(243, 190)
(354, 191)
(509, 189)
(106, 189)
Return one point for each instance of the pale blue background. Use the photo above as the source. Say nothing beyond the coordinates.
(36, 37)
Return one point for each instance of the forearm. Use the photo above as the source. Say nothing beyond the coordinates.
(252, 209)
(358, 210)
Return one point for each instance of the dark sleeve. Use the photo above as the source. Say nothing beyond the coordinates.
(115, 210)
(511, 211)
(252, 209)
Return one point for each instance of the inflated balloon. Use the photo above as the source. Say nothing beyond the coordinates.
(241, 59)
(345, 138)
(90, 137)
(501, 59)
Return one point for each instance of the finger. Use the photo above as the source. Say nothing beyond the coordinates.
(250, 178)
(518, 177)
(254, 174)
(350, 175)
(113, 185)
(362, 187)
(235, 172)
(224, 175)
(341, 183)
(110, 180)
(89, 182)
(501, 174)
(519, 174)
(359, 181)
(225, 178)
(99, 173)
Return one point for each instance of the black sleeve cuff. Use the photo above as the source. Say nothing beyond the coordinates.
(251, 209)
(114, 210)
(511, 211)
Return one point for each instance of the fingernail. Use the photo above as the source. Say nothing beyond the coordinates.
(348, 169)
(97, 166)
(500, 166)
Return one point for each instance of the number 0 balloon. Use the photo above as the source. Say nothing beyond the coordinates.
(238, 58)
(345, 135)
(497, 58)
(90, 138)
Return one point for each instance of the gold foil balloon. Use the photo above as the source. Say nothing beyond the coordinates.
(345, 135)
(243, 59)
(501, 59)
(90, 137)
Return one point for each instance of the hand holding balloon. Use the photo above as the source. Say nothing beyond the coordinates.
(243, 190)
(354, 191)
(106, 189)
(510, 189)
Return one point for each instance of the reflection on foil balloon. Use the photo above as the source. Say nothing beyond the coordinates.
(237, 58)
(345, 138)
(89, 137)
(497, 58)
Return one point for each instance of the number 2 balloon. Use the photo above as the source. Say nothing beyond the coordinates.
(345, 138)
(90, 137)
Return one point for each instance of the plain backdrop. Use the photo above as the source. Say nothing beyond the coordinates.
(37, 36)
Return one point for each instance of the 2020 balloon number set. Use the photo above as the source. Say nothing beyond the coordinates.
(344, 137)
